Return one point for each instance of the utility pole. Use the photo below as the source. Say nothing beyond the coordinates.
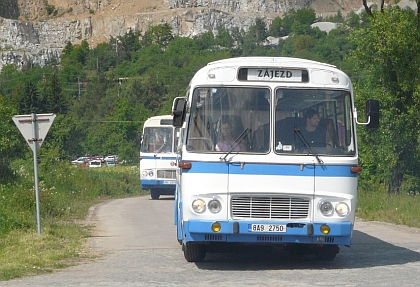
(78, 84)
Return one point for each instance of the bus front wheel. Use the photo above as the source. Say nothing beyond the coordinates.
(154, 194)
(194, 252)
(327, 252)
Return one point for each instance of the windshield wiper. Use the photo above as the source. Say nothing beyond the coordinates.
(305, 142)
(161, 148)
(237, 141)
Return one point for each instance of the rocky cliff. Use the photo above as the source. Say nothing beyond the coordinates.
(37, 30)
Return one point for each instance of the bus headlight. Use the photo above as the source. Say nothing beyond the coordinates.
(147, 173)
(342, 209)
(199, 205)
(326, 208)
(214, 206)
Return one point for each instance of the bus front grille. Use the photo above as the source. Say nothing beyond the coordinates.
(269, 207)
(166, 174)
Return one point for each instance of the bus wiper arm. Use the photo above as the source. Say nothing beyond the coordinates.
(307, 145)
(237, 141)
(161, 148)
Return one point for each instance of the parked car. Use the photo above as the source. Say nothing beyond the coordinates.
(111, 158)
(110, 163)
(95, 163)
(80, 160)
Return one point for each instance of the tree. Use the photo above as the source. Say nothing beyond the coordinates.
(205, 40)
(65, 137)
(73, 59)
(124, 47)
(388, 56)
(181, 50)
(254, 38)
(223, 37)
(53, 99)
(10, 143)
(149, 92)
(30, 100)
(276, 29)
(258, 31)
(68, 48)
(9, 80)
(287, 22)
(160, 35)
(101, 58)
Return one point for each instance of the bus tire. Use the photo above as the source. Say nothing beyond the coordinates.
(194, 252)
(154, 194)
(298, 250)
(327, 252)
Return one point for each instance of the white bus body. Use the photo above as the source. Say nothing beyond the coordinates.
(157, 156)
(280, 188)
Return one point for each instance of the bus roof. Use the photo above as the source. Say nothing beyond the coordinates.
(271, 70)
(165, 120)
(276, 61)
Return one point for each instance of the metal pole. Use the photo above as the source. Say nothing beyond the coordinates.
(78, 84)
(34, 142)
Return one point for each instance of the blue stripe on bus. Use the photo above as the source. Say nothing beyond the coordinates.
(271, 169)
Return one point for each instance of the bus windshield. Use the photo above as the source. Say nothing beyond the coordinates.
(158, 140)
(237, 119)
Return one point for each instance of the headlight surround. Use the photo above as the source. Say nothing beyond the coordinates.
(214, 206)
(326, 208)
(198, 205)
(147, 173)
(342, 209)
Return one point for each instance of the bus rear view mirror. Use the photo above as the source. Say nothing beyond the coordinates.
(372, 114)
(178, 112)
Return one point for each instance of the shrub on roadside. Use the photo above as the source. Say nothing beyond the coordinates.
(66, 192)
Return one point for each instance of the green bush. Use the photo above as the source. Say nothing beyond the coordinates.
(66, 192)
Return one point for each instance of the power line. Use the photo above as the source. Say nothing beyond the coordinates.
(112, 121)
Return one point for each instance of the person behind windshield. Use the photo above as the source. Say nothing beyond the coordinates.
(314, 135)
(227, 141)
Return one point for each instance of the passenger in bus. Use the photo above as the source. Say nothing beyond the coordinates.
(312, 133)
(227, 141)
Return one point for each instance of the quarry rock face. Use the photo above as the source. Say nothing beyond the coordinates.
(35, 31)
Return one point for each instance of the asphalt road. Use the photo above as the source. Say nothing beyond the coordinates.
(136, 238)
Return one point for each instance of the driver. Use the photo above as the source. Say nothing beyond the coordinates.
(314, 135)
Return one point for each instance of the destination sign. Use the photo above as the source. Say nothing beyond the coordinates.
(272, 75)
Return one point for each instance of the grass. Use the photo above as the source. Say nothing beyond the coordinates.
(375, 204)
(24, 252)
(66, 194)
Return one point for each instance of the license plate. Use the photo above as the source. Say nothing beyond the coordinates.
(168, 182)
(267, 228)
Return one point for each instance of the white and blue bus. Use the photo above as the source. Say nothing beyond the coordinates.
(249, 169)
(157, 156)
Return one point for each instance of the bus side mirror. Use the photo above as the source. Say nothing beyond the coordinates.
(178, 112)
(372, 114)
(139, 137)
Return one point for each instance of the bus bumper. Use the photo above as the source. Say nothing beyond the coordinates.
(296, 232)
(160, 183)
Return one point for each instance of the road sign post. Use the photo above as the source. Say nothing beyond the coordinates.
(34, 128)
